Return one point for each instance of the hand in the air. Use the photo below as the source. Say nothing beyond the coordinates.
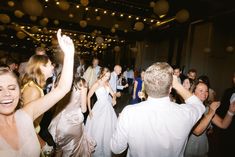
(65, 43)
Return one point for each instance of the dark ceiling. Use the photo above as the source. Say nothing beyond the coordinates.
(108, 19)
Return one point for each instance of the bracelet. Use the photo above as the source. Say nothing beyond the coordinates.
(230, 113)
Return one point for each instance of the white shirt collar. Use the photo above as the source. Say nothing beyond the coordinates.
(166, 98)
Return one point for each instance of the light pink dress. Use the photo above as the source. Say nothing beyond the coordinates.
(67, 128)
(28, 141)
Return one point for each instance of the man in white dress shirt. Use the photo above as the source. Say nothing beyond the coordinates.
(114, 80)
(157, 127)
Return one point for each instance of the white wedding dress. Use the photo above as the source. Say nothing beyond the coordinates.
(102, 124)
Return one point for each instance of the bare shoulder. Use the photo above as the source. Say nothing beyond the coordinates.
(96, 84)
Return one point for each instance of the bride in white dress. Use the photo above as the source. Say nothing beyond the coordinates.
(102, 118)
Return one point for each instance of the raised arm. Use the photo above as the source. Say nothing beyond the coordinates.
(41, 105)
(226, 121)
(90, 93)
(205, 121)
(194, 106)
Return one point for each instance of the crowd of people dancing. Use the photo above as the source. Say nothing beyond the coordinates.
(48, 110)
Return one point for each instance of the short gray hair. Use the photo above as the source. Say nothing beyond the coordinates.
(158, 79)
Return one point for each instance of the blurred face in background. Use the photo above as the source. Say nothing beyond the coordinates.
(95, 62)
(186, 84)
(177, 72)
(13, 66)
(118, 69)
(192, 75)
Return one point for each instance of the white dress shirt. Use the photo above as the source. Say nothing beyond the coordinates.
(156, 127)
(113, 81)
(129, 74)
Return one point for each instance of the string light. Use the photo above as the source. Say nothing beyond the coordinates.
(88, 40)
(151, 20)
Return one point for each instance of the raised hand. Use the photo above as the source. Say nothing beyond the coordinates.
(175, 81)
(214, 105)
(66, 43)
(232, 107)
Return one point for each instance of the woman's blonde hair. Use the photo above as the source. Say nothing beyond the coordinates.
(33, 71)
